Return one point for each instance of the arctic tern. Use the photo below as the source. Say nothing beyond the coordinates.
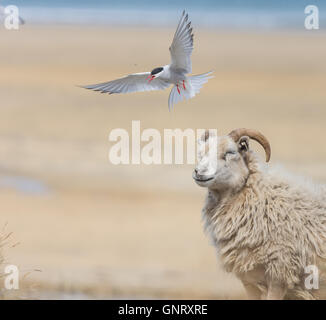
(162, 77)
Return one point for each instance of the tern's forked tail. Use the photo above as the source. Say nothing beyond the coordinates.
(188, 88)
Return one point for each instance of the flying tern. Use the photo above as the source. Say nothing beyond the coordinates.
(162, 77)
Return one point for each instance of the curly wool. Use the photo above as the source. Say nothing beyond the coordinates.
(271, 222)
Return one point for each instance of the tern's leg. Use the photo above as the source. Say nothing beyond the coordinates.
(178, 89)
(184, 87)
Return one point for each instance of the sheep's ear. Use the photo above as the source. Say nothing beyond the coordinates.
(243, 144)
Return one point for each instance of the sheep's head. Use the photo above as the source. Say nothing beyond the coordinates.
(223, 160)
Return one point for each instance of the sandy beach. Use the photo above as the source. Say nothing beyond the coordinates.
(96, 230)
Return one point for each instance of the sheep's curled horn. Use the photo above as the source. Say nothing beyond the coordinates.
(255, 135)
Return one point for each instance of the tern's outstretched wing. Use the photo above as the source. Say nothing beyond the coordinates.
(131, 83)
(182, 45)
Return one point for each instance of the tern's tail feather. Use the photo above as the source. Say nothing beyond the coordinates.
(189, 89)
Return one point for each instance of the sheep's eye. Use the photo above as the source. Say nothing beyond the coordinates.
(229, 153)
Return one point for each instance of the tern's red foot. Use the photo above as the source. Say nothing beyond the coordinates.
(184, 87)
(178, 89)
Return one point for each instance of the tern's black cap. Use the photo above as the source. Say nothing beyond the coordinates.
(156, 70)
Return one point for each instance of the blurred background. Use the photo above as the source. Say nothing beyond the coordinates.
(86, 228)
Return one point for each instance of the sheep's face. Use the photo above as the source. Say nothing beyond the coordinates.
(221, 165)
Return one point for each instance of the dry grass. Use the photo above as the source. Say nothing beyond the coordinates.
(5, 240)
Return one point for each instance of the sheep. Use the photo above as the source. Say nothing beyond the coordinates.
(266, 226)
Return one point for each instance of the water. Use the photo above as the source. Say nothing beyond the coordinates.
(237, 14)
(24, 185)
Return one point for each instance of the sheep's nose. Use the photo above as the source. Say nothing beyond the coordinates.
(196, 171)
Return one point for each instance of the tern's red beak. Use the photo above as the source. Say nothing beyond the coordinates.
(150, 78)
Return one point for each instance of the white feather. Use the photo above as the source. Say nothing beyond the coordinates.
(193, 85)
(132, 83)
